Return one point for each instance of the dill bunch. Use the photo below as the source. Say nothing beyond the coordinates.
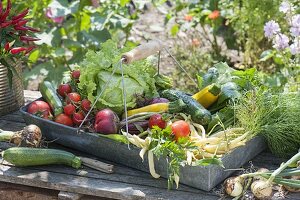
(274, 116)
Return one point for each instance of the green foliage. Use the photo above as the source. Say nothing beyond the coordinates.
(240, 24)
(70, 28)
(274, 116)
(193, 59)
(247, 18)
(232, 82)
(164, 145)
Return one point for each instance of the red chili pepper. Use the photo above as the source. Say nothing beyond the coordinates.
(17, 50)
(16, 21)
(21, 15)
(22, 22)
(6, 13)
(7, 46)
(5, 24)
(32, 29)
(21, 28)
(29, 49)
(28, 39)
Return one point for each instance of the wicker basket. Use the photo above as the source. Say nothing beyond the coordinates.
(11, 99)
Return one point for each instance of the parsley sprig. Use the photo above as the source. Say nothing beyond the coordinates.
(163, 144)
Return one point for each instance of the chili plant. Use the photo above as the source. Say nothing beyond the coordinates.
(16, 38)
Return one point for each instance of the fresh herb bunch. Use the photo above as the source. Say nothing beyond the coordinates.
(274, 116)
(15, 37)
(164, 145)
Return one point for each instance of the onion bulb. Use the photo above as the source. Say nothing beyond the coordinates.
(291, 189)
(30, 136)
(258, 177)
(262, 189)
(234, 186)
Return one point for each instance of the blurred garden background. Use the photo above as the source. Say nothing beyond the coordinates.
(199, 33)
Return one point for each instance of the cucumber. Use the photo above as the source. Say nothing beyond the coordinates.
(24, 156)
(198, 113)
(49, 95)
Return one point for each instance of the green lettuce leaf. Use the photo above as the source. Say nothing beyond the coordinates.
(96, 70)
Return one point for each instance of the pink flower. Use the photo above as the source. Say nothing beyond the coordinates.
(49, 14)
(95, 3)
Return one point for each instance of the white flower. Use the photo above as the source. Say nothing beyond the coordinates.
(271, 28)
(295, 47)
(281, 41)
(295, 25)
(285, 7)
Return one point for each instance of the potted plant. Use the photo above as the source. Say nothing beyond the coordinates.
(16, 41)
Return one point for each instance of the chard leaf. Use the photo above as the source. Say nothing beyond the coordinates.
(210, 161)
(229, 91)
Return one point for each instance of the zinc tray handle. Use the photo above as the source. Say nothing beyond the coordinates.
(142, 51)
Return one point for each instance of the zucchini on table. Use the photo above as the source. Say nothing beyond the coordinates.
(24, 156)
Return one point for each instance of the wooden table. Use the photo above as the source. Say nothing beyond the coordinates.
(124, 183)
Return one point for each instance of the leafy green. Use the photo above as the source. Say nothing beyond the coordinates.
(96, 70)
(274, 116)
(224, 117)
(116, 137)
(164, 145)
(233, 82)
(210, 161)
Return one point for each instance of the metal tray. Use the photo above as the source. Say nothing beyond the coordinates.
(201, 177)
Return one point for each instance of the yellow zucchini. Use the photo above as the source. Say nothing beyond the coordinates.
(157, 107)
(208, 95)
(171, 107)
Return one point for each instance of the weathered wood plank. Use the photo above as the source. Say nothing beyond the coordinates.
(122, 178)
(69, 196)
(10, 191)
(13, 118)
(11, 126)
(91, 186)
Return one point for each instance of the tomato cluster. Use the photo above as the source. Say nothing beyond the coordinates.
(179, 128)
(74, 110)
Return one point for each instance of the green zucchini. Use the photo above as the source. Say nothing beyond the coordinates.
(198, 113)
(24, 156)
(49, 95)
(176, 106)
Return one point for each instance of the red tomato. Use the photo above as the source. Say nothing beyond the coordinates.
(77, 118)
(180, 129)
(156, 120)
(64, 89)
(74, 97)
(69, 109)
(75, 74)
(64, 119)
(40, 108)
(86, 105)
